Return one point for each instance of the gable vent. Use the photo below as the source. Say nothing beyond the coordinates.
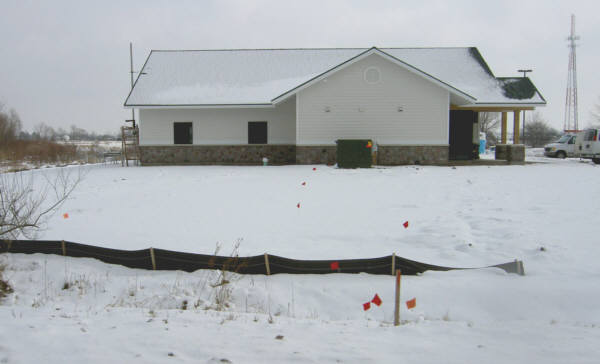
(372, 75)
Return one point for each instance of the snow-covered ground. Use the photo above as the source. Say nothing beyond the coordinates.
(542, 213)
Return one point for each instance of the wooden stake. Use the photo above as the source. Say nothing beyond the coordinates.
(64, 248)
(397, 304)
(393, 263)
(267, 264)
(520, 270)
(153, 258)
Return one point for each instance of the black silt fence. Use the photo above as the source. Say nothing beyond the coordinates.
(189, 262)
(381, 265)
(129, 258)
(159, 259)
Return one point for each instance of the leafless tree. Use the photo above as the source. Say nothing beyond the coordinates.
(44, 132)
(539, 132)
(489, 123)
(27, 204)
(10, 126)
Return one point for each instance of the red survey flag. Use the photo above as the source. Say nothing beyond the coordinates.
(405, 224)
(65, 215)
(334, 265)
(366, 306)
(298, 205)
(411, 303)
(376, 300)
(314, 168)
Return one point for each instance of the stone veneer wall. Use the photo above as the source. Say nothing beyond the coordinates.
(284, 154)
(217, 154)
(324, 154)
(412, 154)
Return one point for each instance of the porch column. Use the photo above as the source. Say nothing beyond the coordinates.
(503, 126)
(516, 126)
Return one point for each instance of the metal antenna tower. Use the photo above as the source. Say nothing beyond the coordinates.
(571, 99)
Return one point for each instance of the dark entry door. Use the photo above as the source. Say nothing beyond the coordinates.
(461, 134)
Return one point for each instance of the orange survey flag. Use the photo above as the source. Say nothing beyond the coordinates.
(411, 303)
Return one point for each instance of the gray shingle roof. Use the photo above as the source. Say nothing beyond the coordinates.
(258, 76)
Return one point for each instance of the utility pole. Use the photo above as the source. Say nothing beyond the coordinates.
(131, 74)
(524, 76)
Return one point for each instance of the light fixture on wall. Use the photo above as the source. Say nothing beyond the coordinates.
(327, 109)
(400, 109)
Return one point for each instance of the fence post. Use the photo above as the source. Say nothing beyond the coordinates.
(393, 263)
(64, 248)
(267, 264)
(520, 270)
(397, 304)
(153, 258)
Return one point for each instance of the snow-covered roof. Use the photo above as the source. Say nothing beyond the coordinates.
(264, 76)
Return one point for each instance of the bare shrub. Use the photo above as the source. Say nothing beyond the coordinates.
(226, 274)
(24, 210)
(5, 288)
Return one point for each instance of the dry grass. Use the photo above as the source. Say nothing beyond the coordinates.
(38, 152)
(226, 274)
(5, 288)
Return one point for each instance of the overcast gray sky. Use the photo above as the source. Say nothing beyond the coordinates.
(67, 62)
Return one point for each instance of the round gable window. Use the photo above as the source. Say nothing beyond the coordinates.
(372, 75)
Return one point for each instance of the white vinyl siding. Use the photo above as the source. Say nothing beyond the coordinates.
(361, 110)
(219, 126)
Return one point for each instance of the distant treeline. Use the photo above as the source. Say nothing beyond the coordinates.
(11, 128)
(45, 132)
(45, 144)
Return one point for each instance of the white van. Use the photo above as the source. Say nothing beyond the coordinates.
(588, 145)
(562, 148)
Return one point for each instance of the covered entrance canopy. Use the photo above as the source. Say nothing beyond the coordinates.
(516, 111)
(459, 146)
(520, 95)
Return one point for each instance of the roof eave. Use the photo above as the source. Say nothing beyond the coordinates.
(201, 106)
(137, 78)
(507, 105)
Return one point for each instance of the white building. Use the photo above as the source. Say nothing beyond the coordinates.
(419, 105)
